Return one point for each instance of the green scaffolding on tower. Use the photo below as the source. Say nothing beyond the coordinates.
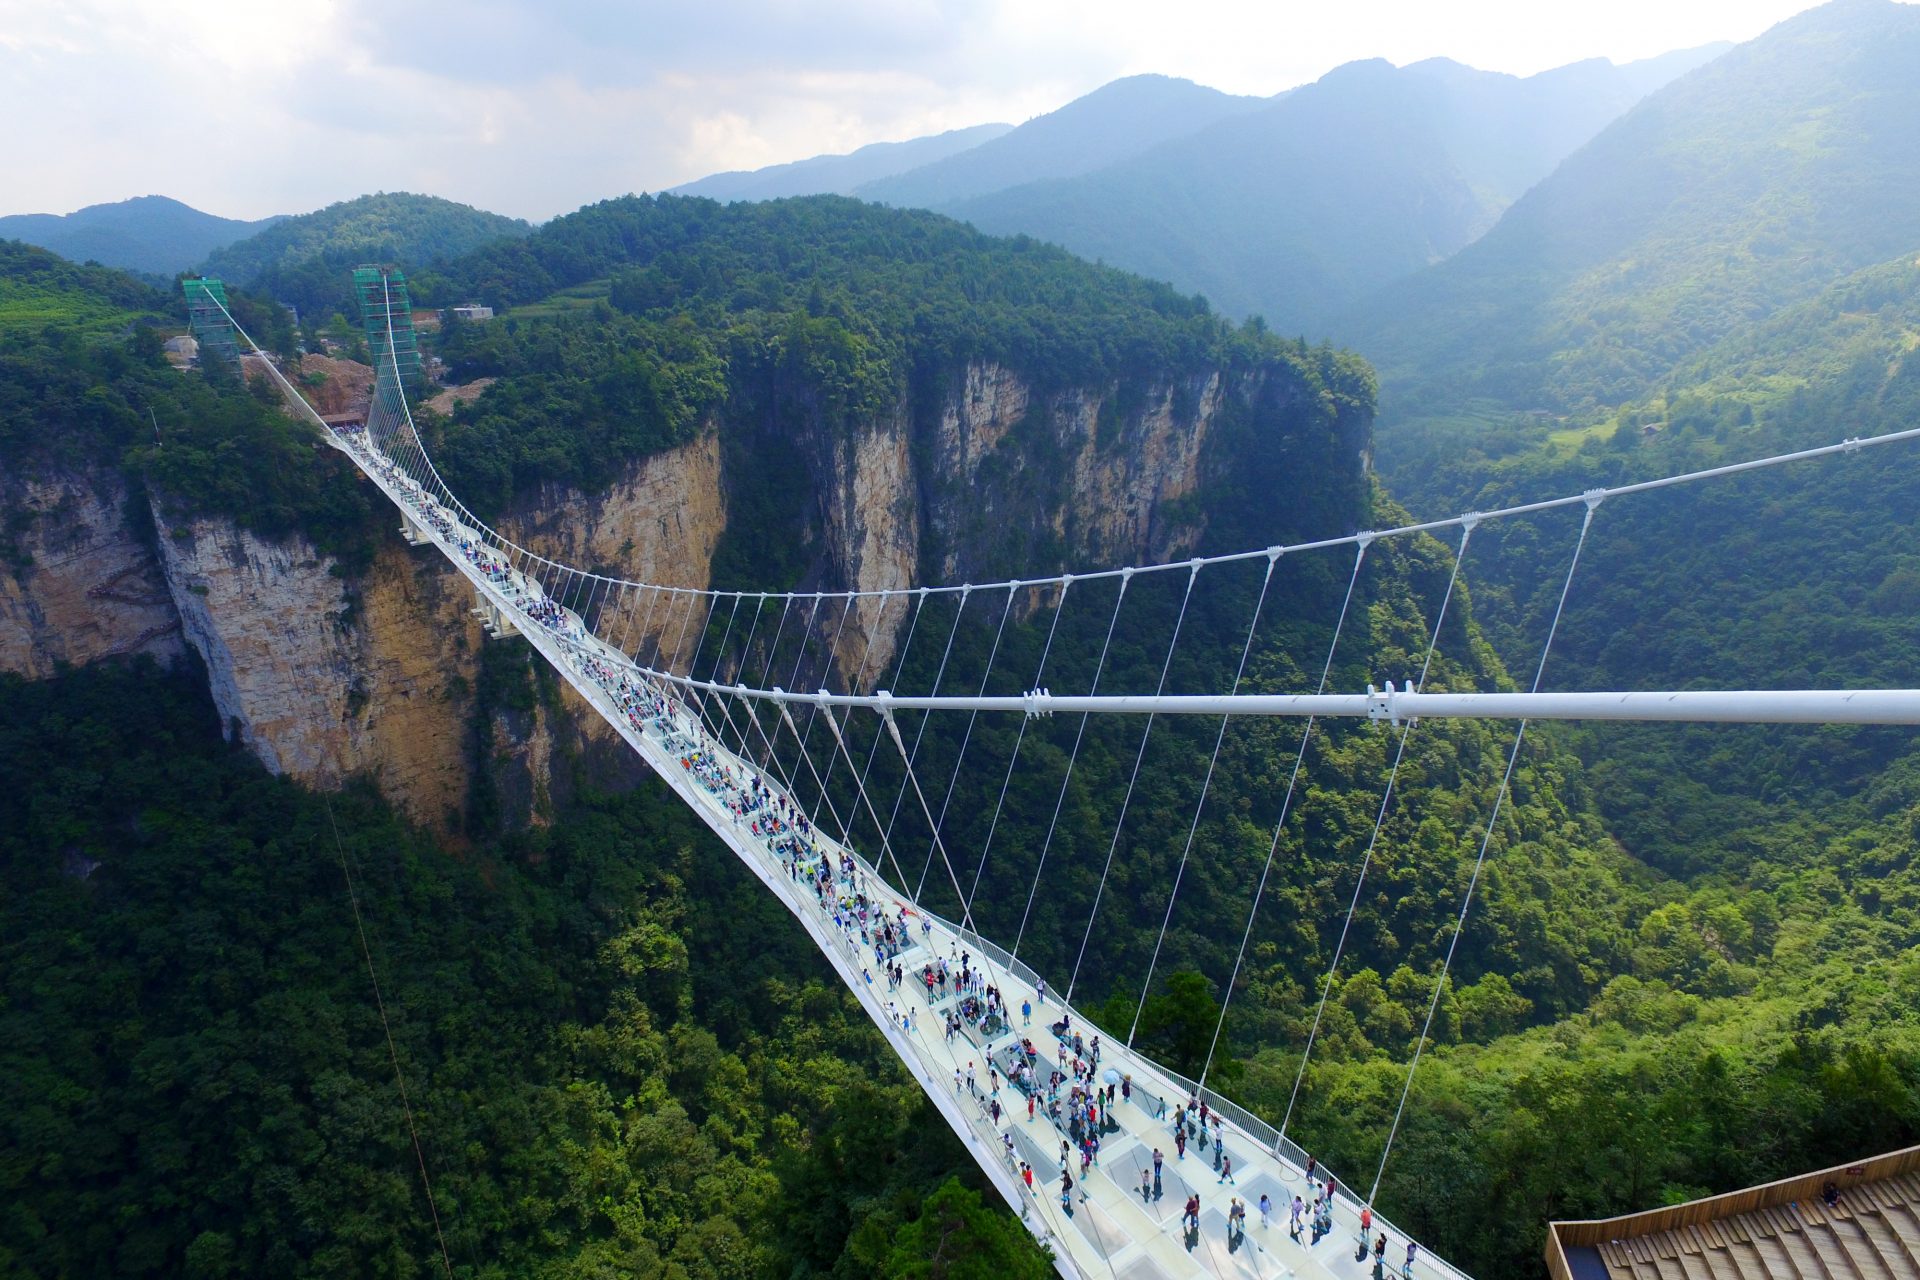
(386, 309)
(207, 315)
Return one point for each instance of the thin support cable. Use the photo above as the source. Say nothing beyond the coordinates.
(966, 916)
(859, 680)
(1019, 737)
(623, 609)
(726, 702)
(393, 1053)
(1126, 800)
(693, 663)
(1373, 841)
(1066, 779)
(1280, 825)
(800, 656)
(1480, 859)
(873, 748)
(813, 709)
(766, 667)
(921, 732)
(860, 791)
(680, 640)
(646, 626)
(1199, 806)
(746, 657)
(966, 739)
(786, 718)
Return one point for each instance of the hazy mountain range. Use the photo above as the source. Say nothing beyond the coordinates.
(1752, 183)
(840, 175)
(1292, 207)
(153, 234)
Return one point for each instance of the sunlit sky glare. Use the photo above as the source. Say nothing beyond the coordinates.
(534, 107)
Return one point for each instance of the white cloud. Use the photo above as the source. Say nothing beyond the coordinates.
(534, 108)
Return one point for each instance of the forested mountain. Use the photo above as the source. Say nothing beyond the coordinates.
(147, 233)
(839, 175)
(1116, 120)
(1300, 208)
(306, 261)
(1748, 184)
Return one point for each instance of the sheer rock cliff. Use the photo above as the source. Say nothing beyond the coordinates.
(325, 676)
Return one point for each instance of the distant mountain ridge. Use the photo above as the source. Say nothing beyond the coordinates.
(1302, 207)
(1743, 187)
(1292, 207)
(839, 175)
(1117, 120)
(154, 234)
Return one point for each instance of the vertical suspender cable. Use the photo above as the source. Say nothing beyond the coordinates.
(1286, 806)
(1126, 800)
(921, 732)
(1013, 760)
(1193, 828)
(1066, 779)
(1366, 859)
(967, 737)
(1486, 839)
(873, 749)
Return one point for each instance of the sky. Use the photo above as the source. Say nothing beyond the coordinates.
(535, 107)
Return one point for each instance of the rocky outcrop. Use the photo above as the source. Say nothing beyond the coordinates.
(77, 583)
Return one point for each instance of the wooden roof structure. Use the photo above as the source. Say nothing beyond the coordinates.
(1784, 1230)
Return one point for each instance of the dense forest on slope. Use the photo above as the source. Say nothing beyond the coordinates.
(152, 234)
(1749, 184)
(1784, 1002)
(194, 1080)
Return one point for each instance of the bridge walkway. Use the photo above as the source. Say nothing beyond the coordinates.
(1104, 1228)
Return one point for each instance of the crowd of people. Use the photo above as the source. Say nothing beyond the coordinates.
(1072, 1096)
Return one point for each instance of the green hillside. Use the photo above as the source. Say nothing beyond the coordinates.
(1686, 968)
(1749, 184)
(306, 261)
(151, 234)
(39, 290)
(1299, 209)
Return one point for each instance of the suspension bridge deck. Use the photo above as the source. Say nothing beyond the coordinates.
(1106, 1226)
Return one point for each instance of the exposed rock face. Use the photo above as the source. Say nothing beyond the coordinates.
(322, 678)
(659, 523)
(80, 585)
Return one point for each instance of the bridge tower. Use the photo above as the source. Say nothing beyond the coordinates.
(385, 307)
(207, 315)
